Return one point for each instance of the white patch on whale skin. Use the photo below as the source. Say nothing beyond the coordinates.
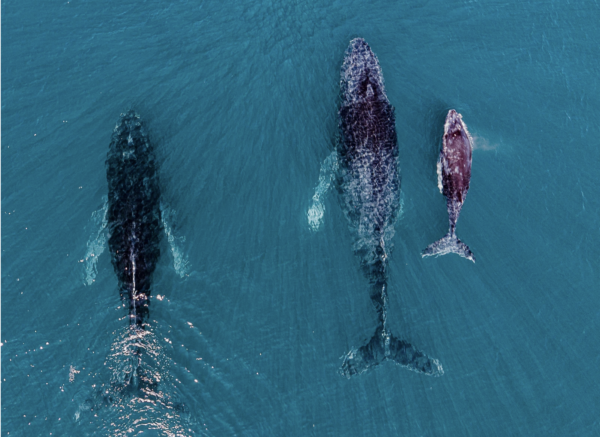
(315, 215)
(316, 211)
(96, 243)
(439, 173)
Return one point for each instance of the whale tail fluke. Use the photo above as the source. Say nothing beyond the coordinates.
(384, 346)
(449, 244)
(406, 355)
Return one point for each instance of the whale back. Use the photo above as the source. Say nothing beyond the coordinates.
(368, 153)
(133, 215)
(455, 158)
(454, 165)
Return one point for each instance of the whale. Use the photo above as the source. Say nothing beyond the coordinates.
(454, 176)
(369, 182)
(134, 221)
(133, 213)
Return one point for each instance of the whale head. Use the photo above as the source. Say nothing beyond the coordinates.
(457, 143)
(130, 136)
(453, 120)
(361, 78)
(454, 126)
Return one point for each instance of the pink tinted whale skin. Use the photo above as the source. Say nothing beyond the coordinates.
(454, 177)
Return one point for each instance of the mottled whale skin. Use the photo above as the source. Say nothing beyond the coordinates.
(133, 214)
(369, 182)
(454, 176)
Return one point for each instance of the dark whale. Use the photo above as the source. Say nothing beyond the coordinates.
(133, 214)
(137, 363)
(369, 182)
(454, 175)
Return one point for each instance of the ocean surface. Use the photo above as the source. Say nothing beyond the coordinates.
(253, 304)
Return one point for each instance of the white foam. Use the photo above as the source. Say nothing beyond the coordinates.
(316, 212)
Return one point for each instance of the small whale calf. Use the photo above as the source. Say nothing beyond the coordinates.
(454, 175)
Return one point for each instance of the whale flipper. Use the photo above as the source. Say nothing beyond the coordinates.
(384, 346)
(96, 243)
(326, 176)
(181, 263)
(449, 244)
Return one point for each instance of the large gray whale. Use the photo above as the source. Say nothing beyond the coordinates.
(133, 214)
(369, 181)
(454, 176)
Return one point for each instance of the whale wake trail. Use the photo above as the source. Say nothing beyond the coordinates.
(139, 392)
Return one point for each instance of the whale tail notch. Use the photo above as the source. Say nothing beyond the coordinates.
(384, 346)
(449, 244)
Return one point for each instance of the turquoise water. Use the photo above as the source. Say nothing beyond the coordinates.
(252, 310)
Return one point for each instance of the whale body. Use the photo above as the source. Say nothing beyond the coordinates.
(133, 213)
(454, 176)
(369, 180)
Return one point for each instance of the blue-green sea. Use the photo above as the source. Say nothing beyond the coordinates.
(253, 308)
